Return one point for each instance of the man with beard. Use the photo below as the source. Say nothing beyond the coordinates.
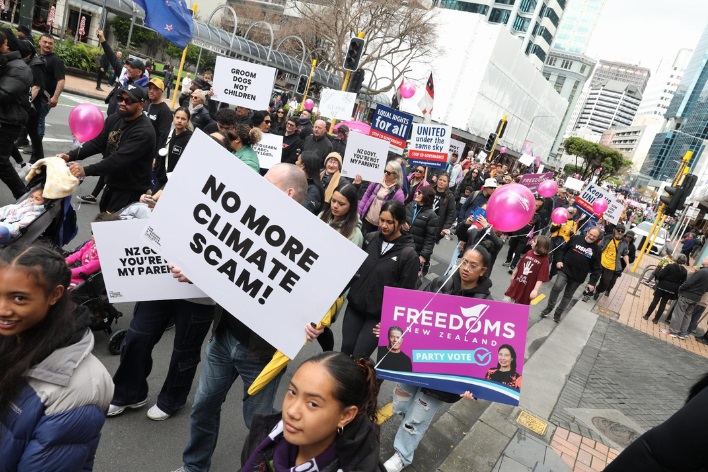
(135, 74)
(615, 250)
(128, 146)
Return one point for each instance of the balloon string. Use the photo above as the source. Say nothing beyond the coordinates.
(564, 243)
(451, 272)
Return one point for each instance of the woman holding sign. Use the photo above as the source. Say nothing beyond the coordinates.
(377, 195)
(418, 405)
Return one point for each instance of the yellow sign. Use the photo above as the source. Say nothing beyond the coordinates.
(535, 424)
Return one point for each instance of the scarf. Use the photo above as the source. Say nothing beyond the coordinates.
(284, 454)
(332, 185)
(195, 108)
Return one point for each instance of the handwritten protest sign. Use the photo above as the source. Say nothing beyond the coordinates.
(453, 344)
(365, 156)
(456, 146)
(269, 150)
(591, 193)
(260, 254)
(133, 271)
(531, 181)
(430, 145)
(242, 83)
(391, 125)
(337, 104)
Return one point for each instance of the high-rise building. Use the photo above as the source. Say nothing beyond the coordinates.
(534, 22)
(662, 86)
(687, 120)
(620, 71)
(610, 104)
(577, 25)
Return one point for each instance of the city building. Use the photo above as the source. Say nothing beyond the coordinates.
(632, 141)
(687, 121)
(534, 22)
(662, 86)
(622, 72)
(577, 25)
(611, 103)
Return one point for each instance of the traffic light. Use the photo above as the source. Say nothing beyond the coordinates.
(501, 127)
(354, 52)
(356, 81)
(687, 186)
(301, 84)
(490, 142)
(673, 200)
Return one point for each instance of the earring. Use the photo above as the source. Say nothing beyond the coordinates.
(340, 430)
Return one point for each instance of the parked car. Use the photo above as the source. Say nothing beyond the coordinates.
(642, 231)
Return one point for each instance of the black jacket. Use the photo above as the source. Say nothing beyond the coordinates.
(670, 278)
(175, 148)
(580, 258)
(314, 197)
(358, 447)
(201, 118)
(695, 286)
(398, 267)
(423, 230)
(128, 148)
(446, 212)
(16, 78)
(292, 147)
(38, 67)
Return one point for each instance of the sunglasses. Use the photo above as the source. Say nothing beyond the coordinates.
(388, 172)
(419, 171)
(620, 231)
(281, 113)
(126, 100)
(267, 122)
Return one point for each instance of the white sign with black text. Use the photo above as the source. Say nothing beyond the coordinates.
(366, 156)
(242, 83)
(337, 104)
(269, 150)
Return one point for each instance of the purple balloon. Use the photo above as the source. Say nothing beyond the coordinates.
(85, 121)
(309, 104)
(510, 207)
(547, 188)
(407, 89)
(600, 205)
(560, 215)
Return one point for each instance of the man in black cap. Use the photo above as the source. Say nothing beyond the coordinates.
(128, 146)
(615, 250)
(339, 144)
(135, 73)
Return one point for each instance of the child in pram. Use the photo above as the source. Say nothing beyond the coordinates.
(87, 256)
(16, 216)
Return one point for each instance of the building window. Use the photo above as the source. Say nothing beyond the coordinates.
(561, 3)
(545, 34)
(552, 61)
(551, 15)
(462, 6)
(540, 53)
(505, 2)
(527, 6)
(499, 15)
(521, 23)
(536, 27)
(566, 64)
(560, 80)
(583, 68)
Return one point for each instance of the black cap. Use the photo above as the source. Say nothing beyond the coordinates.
(136, 64)
(136, 92)
(25, 30)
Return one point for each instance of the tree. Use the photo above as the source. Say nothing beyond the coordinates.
(599, 160)
(207, 60)
(140, 35)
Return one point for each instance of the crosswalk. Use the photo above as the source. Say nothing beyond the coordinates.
(76, 99)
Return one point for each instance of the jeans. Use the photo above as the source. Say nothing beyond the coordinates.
(358, 338)
(8, 174)
(682, 315)
(225, 360)
(192, 323)
(44, 111)
(418, 410)
(571, 286)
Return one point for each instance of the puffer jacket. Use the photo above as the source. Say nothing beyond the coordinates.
(670, 278)
(423, 229)
(365, 203)
(446, 213)
(56, 419)
(16, 78)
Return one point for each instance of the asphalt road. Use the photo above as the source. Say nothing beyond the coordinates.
(134, 442)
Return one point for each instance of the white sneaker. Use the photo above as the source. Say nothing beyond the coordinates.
(156, 414)
(394, 464)
(115, 410)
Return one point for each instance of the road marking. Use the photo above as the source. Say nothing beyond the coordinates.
(56, 140)
(384, 413)
(79, 99)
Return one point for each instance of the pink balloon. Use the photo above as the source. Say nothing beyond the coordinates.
(309, 104)
(560, 215)
(600, 205)
(407, 89)
(547, 188)
(85, 121)
(502, 150)
(510, 207)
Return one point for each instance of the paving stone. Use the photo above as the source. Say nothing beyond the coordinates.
(525, 449)
(510, 465)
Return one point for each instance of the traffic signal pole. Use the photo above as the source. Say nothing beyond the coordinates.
(309, 81)
(660, 216)
(345, 83)
(499, 131)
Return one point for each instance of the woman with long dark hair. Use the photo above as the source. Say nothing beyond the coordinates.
(444, 207)
(279, 119)
(505, 371)
(422, 224)
(53, 392)
(177, 140)
(262, 120)
(310, 162)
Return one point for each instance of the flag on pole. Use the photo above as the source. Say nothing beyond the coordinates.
(171, 19)
(426, 103)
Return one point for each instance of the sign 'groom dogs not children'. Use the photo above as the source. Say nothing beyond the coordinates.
(258, 253)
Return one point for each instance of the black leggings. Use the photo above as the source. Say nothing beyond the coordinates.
(358, 338)
(661, 298)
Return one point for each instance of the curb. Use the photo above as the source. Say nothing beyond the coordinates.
(83, 93)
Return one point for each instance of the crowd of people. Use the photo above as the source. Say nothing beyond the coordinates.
(327, 418)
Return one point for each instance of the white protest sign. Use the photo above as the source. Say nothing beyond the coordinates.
(133, 271)
(526, 159)
(456, 146)
(574, 184)
(540, 169)
(594, 192)
(258, 253)
(243, 83)
(269, 150)
(337, 104)
(365, 155)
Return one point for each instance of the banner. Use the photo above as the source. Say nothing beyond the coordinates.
(133, 271)
(590, 194)
(574, 184)
(391, 125)
(527, 147)
(258, 253)
(365, 156)
(453, 344)
(242, 83)
(269, 150)
(531, 181)
(337, 104)
(430, 145)
(458, 147)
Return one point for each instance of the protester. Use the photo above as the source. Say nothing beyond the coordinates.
(478, 199)
(85, 260)
(391, 261)
(689, 294)
(53, 392)
(279, 120)
(415, 181)
(292, 143)
(242, 138)
(198, 112)
(422, 224)
(534, 265)
(561, 234)
(305, 124)
(614, 250)
(262, 121)
(54, 78)
(444, 207)
(327, 421)
(669, 279)
(377, 195)
(37, 98)
(339, 143)
(310, 163)
(689, 241)
(418, 405)
(135, 74)
(169, 155)
(318, 142)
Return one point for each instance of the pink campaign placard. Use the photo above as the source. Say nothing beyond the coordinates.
(453, 343)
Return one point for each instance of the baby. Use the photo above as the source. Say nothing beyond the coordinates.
(85, 262)
(16, 216)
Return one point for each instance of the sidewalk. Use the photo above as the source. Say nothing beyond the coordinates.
(85, 87)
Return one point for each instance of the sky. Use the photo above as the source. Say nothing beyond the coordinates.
(646, 31)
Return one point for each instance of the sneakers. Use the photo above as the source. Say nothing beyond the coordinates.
(682, 337)
(645, 317)
(669, 333)
(586, 298)
(156, 414)
(607, 294)
(557, 319)
(394, 464)
(115, 410)
(87, 198)
(506, 264)
(99, 88)
(545, 313)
